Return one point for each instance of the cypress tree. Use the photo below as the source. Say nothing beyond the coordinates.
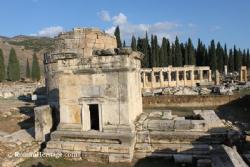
(2, 66)
(168, 60)
(244, 58)
(35, 73)
(154, 51)
(231, 61)
(146, 51)
(178, 54)
(172, 57)
(199, 53)
(27, 69)
(225, 59)
(13, 69)
(190, 52)
(220, 57)
(124, 43)
(164, 52)
(118, 37)
(212, 56)
(157, 52)
(248, 59)
(139, 44)
(237, 59)
(183, 53)
(205, 62)
(133, 43)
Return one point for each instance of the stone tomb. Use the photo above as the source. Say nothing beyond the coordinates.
(99, 97)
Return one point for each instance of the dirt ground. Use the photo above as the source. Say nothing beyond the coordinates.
(15, 115)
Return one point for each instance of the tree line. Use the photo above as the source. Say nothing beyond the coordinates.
(13, 68)
(179, 54)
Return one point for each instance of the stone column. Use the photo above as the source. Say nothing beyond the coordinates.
(201, 75)
(177, 77)
(225, 69)
(185, 77)
(161, 79)
(209, 75)
(217, 77)
(169, 77)
(144, 79)
(246, 75)
(152, 79)
(192, 77)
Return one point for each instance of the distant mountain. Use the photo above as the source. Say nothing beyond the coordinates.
(25, 47)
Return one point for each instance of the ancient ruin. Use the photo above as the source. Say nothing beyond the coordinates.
(95, 90)
(99, 93)
(175, 76)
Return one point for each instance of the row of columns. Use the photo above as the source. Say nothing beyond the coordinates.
(161, 77)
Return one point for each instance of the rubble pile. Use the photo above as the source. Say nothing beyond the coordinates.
(9, 90)
(224, 89)
(177, 91)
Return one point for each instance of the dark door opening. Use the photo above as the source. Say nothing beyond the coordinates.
(94, 116)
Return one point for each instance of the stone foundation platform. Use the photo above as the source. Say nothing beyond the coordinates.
(157, 134)
(93, 145)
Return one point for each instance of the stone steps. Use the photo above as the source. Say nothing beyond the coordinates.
(93, 146)
(180, 137)
(201, 149)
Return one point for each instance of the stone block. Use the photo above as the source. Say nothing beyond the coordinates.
(155, 114)
(143, 147)
(116, 158)
(182, 124)
(119, 149)
(167, 114)
(162, 125)
(43, 122)
(210, 117)
(143, 137)
(67, 145)
(93, 148)
(199, 125)
(95, 157)
(54, 145)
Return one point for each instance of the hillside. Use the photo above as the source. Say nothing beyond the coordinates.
(25, 46)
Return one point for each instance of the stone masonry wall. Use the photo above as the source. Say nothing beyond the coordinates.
(187, 100)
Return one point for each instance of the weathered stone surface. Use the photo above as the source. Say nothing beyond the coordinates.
(212, 120)
(167, 114)
(182, 125)
(124, 51)
(43, 122)
(107, 52)
(161, 125)
(155, 114)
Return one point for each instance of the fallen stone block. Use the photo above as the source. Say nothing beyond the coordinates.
(43, 122)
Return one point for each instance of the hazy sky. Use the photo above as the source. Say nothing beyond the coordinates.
(223, 20)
